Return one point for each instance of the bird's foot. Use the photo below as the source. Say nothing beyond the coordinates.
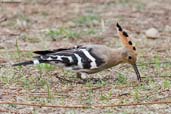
(82, 79)
(64, 79)
(90, 80)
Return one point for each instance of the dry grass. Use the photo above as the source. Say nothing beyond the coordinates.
(36, 25)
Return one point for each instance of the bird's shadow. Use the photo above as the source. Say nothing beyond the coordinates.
(92, 80)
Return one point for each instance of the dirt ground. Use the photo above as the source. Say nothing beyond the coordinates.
(29, 25)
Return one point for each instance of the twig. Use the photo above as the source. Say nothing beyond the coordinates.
(3, 19)
(133, 104)
(64, 79)
(87, 106)
(7, 111)
(10, 1)
(3, 110)
(50, 106)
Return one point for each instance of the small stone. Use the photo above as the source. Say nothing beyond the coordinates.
(152, 33)
(167, 28)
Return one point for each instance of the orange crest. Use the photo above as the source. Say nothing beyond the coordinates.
(126, 41)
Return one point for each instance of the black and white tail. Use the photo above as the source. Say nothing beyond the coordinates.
(79, 58)
(33, 62)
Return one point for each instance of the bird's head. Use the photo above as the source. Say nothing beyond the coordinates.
(129, 53)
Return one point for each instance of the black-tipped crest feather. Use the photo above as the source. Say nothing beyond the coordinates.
(125, 34)
(119, 27)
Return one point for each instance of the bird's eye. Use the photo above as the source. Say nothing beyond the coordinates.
(129, 57)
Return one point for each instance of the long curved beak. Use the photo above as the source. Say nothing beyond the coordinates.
(137, 72)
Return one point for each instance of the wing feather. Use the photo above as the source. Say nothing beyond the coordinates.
(78, 58)
(44, 52)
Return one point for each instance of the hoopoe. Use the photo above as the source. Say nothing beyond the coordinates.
(88, 59)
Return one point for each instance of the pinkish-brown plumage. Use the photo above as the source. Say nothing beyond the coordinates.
(92, 58)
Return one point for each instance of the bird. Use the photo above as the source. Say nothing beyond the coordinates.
(90, 58)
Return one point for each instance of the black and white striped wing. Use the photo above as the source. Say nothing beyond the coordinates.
(77, 58)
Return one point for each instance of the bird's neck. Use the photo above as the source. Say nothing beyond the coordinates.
(117, 56)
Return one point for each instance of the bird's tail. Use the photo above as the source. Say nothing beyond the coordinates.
(36, 61)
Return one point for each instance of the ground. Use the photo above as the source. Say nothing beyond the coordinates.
(28, 25)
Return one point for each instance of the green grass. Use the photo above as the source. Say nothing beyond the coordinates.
(18, 49)
(68, 33)
(26, 38)
(45, 67)
(62, 33)
(136, 95)
(87, 20)
(134, 4)
(90, 21)
(166, 84)
(71, 112)
(27, 83)
(121, 79)
(90, 32)
(106, 96)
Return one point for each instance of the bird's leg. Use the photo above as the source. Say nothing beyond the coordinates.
(82, 76)
(79, 75)
(84, 79)
(62, 78)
